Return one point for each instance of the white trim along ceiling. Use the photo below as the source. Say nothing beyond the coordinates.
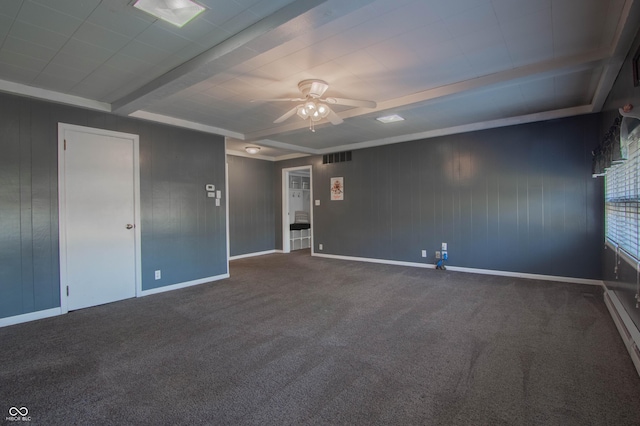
(445, 66)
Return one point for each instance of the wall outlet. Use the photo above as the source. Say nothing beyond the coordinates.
(437, 255)
(317, 202)
(320, 246)
(424, 253)
(158, 274)
(444, 246)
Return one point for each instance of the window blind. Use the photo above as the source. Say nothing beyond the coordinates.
(622, 202)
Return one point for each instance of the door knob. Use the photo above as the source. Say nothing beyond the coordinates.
(129, 226)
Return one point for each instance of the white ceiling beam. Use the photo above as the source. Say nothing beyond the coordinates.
(286, 146)
(165, 119)
(471, 127)
(546, 69)
(50, 95)
(265, 157)
(284, 25)
(247, 155)
(233, 50)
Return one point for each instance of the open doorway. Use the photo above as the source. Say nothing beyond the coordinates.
(297, 214)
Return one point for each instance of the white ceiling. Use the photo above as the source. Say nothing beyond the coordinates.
(446, 66)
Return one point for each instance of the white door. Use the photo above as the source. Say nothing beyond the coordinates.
(98, 215)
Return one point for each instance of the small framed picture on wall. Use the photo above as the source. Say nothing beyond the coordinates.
(337, 189)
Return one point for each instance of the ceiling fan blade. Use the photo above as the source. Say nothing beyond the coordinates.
(279, 100)
(334, 118)
(351, 102)
(286, 115)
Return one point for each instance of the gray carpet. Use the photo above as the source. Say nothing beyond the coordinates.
(291, 340)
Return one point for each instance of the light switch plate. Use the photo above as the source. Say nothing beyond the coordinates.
(217, 202)
(218, 194)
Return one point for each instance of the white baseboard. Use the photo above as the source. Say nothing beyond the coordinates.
(182, 285)
(627, 329)
(468, 270)
(373, 260)
(31, 316)
(528, 276)
(259, 253)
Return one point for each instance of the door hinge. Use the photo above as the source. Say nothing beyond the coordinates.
(67, 290)
(65, 144)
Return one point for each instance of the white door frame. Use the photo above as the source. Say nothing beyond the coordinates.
(286, 246)
(62, 226)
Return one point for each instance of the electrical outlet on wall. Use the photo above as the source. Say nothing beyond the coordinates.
(437, 255)
(158, 274)
(424, 253)
(444, 246)
(320, 246)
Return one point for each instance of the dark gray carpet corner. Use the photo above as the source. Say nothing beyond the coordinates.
(296, 340)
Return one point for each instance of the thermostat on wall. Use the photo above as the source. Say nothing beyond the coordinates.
(210, 187)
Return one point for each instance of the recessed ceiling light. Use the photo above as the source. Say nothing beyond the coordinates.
(390, 118)
(252, 149)
(176, 12)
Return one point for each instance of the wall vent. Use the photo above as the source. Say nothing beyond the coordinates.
(336, 157)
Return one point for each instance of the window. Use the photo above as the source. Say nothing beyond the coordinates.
(622, 200)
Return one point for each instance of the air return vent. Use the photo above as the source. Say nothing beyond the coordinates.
(336, 157)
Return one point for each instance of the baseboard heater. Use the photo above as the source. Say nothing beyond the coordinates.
(627, 329)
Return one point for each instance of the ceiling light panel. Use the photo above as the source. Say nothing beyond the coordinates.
(390, 118)
(176, 12)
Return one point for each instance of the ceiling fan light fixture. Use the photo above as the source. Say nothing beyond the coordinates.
(310, 107)
(252, 149)
(176, 12)
(302, 112)
(314, 107)
(323, 110)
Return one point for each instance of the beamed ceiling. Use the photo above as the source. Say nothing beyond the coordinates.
(445, 66)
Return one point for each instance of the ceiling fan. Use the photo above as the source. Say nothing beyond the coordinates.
(314, 107)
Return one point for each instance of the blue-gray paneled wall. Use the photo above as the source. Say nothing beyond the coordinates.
(623, 92)
(517, 199)
(182, 233)
(251, 205)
